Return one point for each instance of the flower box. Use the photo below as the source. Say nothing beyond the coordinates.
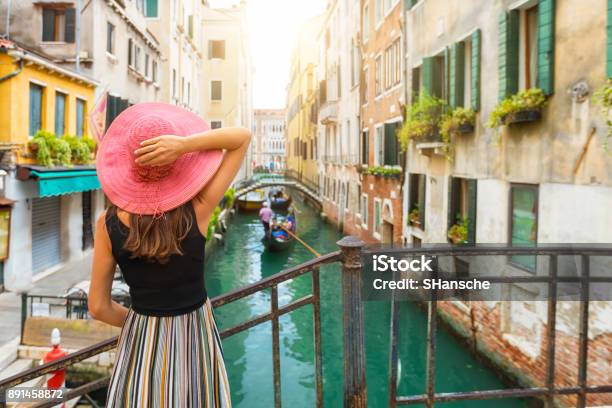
(523, 116)
(465, 128)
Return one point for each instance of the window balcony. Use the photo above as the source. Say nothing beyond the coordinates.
(328, 113)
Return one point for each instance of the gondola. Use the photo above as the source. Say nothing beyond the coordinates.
(251, 201)
(279, 200)
(278, 239)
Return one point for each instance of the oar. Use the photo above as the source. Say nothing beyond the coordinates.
(308, 247)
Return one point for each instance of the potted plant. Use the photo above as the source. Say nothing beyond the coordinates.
(415, 217)
(458, 121)
(384, 171)
(458, 233)
(422, 119)
(525, 106)
(50, 150)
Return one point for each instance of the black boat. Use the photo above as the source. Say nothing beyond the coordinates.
(278, 239)
(279, 200)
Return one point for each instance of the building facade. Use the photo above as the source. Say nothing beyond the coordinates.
(539, 178)
(380, 216)
(269, 138)
(302, 104)
(339, 112)
(51, 220)
(62, 49)
(177, 26)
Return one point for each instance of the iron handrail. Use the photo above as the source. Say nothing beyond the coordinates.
(271, 281)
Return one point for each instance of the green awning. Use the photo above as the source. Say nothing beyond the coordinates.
(52, 183)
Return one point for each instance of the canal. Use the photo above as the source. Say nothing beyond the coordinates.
(248, 355)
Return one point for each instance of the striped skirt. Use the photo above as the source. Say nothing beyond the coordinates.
(174, 361)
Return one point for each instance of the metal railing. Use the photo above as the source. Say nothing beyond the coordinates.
(549, 391)
(348, 252)
(355, 390)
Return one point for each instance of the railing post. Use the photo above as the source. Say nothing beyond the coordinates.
(355, 391)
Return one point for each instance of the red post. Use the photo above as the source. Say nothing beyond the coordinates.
(57, 378)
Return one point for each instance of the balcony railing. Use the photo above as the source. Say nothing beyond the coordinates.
(328, 112)
(355, 390)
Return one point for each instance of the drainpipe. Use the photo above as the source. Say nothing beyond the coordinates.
(8, 20)
(77, 33)
(15, 72)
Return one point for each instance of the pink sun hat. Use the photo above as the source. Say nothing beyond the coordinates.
(152, 190)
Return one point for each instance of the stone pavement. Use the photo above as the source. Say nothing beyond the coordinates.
(54, 284)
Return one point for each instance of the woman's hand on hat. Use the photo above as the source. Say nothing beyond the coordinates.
(160, 150)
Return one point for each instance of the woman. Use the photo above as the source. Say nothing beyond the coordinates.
(164, 172)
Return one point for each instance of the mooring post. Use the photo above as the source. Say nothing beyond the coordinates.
(355, 391)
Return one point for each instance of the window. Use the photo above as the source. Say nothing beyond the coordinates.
(36, 103)
(524, 222)
(528, 48)
(378, 76)
(150, 8)
(146, 66)
(130, 52)
(364, 210)
(58, 24)
(190, 26)
(183, 91)
(189, 93)
(215, 90)
(80, 117)
(462, 205)
(365, 147)
(60, 113)
(174, 84)
(391, 148)
(364, 92)
(377, 215)
(416, 82)
(215, 124)
(137, 58)
(110, 38)
(416, 198)
(216, 49)
(392, 64)
(379, 149)
(366, 23)
(378, 11)
(154, 71)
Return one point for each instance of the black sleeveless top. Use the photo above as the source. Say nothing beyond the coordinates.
(169, 289)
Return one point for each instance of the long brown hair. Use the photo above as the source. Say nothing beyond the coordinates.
(157, 238)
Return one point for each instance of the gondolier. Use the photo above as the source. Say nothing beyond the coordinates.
(265, 215)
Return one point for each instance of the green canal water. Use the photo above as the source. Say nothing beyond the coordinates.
(248, 355)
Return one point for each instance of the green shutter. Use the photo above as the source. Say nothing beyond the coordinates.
(70, 15)
(48, 24)
(457, 74)
(450, 209)
(422, 198)
(35, 108)
(445, 75)
(476, 48)
(609, 47)
(546, 46)
(390, 142)
(472, 186)
(410, 3)
(427, 74)
(508, 53)
(151, 8)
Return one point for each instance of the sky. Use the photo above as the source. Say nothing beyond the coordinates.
(273, 26)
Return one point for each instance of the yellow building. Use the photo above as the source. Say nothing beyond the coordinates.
(301, 104)
(54, 204)
(38, 94)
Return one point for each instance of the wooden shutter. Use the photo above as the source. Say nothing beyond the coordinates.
(472, 185)
(476, 51)
(457, 74)
(546, 46)
(365, 151)
(35, 108)
(151, 8)
(69, 27)
(390, 152)
(508, 53)
(453, 197)
(410, 3)
(609, 47)
(48, 24)
(433, 80)
(422, 198)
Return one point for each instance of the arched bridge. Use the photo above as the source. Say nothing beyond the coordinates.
(280, 182)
